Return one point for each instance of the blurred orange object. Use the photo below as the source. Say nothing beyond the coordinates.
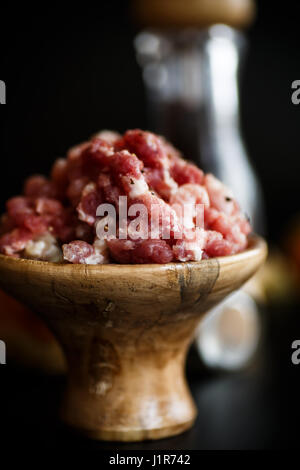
(28, 341)
(275, 281)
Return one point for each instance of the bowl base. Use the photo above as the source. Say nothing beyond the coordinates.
(134, 435)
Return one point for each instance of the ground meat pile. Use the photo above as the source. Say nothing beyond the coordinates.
(55, 218)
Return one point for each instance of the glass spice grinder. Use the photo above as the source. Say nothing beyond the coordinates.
(190, 53)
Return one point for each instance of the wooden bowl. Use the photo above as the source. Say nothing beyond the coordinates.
(125, 331)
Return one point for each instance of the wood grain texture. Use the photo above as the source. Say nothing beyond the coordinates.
(125, 331)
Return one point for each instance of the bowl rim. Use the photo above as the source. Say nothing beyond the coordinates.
(257, 246)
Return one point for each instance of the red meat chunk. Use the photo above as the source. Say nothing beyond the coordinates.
(158, 184)
(139, 252)
(15, 241)
(147, 146)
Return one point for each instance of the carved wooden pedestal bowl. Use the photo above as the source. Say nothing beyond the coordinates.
(125, 331)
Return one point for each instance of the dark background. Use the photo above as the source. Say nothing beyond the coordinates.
(69, 74)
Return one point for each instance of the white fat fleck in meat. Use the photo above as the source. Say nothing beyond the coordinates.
(100, 245)
(138, 187)
(82, 215)
(192, 246)
(89, 188)
(109, 136)
(151, 142)
(191, 251)
(100, 248)
(44, 248)
(129, 245)
(94, 258)
(170, 182)
(195, 249)
(185, 200)
(89, 219)
(190, 193)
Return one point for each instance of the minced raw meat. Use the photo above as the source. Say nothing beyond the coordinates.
(56, 218)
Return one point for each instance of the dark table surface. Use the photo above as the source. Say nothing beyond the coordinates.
(254, 409)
